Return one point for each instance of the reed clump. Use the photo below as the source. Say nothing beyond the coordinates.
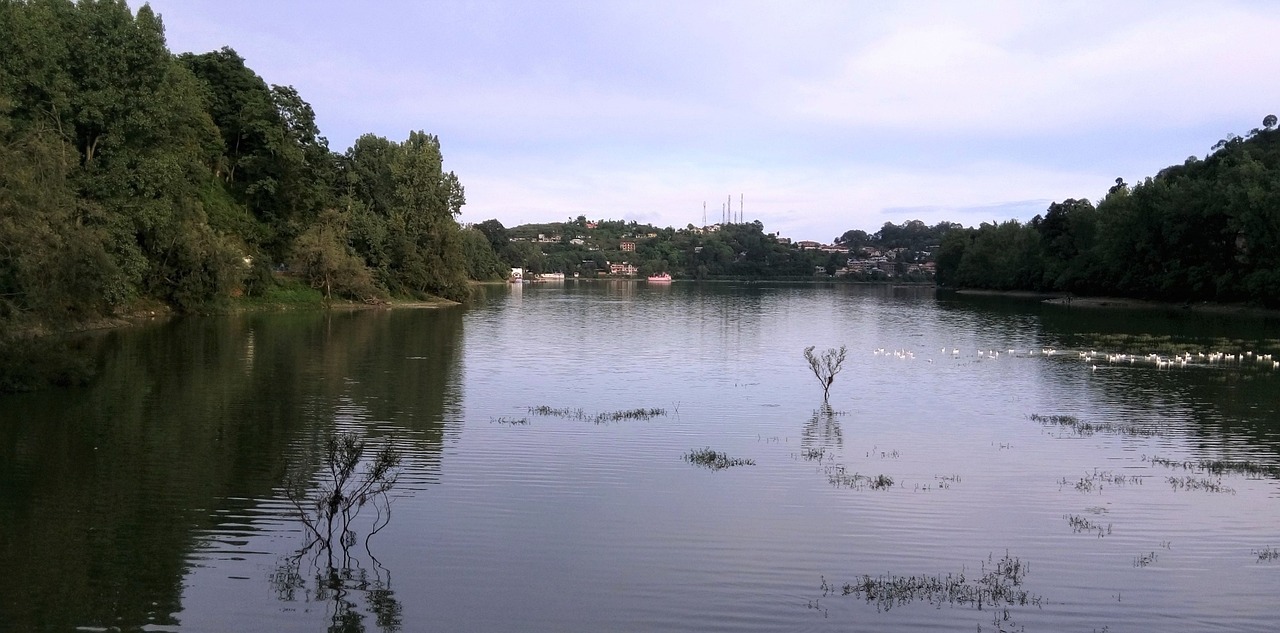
(840, 477)
(813, 454)
(1219, 466)
(1080, 525)
(998, 586)
(1200, 483)
(598, 418)
(715, 460)
(1097, 479)
(1083, 428)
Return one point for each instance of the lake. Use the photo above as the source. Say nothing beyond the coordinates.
(984, 464)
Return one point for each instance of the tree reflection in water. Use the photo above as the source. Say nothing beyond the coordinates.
(341, 587)
(823, 429)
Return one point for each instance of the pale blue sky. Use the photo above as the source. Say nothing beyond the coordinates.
(824, 116)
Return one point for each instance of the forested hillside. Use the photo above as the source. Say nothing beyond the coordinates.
(128, 173)
(1205, 230)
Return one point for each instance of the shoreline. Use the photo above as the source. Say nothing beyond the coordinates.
(1121, 303)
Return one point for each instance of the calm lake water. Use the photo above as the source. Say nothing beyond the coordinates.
(154, 499)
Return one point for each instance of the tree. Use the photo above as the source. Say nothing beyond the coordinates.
(404, 206)
(496, 234)
(482, 262)
(825, 367)
(324, 258)
(1269, 121)
(853, 239)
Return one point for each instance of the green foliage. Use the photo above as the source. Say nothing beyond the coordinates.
(272, 159)
(482, 263)
(54, 267)
(1204, 230)
(127, 173)
(404, 207)
(324, 258)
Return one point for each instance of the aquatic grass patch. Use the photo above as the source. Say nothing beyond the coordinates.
(1267, 554)
(1145, 560)
(840, 477)
(1083, 428)
(1218, 466)
(598, 418)
(509, 421)
(1098, 479)
(552, 412)
(715, 460)
(876, 452)
(998, 586)
(630, 414)
(1200, 483)
(940, 482)
(1080, 525)
(813, 454)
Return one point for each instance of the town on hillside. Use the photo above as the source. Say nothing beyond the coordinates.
(585, 248)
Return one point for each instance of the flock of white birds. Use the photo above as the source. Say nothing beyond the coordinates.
(1094, 358)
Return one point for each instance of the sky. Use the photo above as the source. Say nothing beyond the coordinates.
(818, 117)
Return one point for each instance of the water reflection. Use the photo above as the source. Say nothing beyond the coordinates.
(180, 518)
(300, 578)
(822, 430)
(107, 491)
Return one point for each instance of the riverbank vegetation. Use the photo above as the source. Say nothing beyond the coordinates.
(130, 175)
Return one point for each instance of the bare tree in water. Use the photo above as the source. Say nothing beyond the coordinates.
(328, 504)
(825, 367)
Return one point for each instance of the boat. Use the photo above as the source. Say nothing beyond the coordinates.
(550, 277)
(660, 278)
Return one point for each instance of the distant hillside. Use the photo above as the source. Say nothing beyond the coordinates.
(729, 251)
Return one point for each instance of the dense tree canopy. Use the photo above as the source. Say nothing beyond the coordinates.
(127, 173)
(1204, 230)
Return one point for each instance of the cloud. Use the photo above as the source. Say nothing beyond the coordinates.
(825, 115)
(978, 77)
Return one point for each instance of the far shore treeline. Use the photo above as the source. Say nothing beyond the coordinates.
(1205, 230)
(133, 178)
